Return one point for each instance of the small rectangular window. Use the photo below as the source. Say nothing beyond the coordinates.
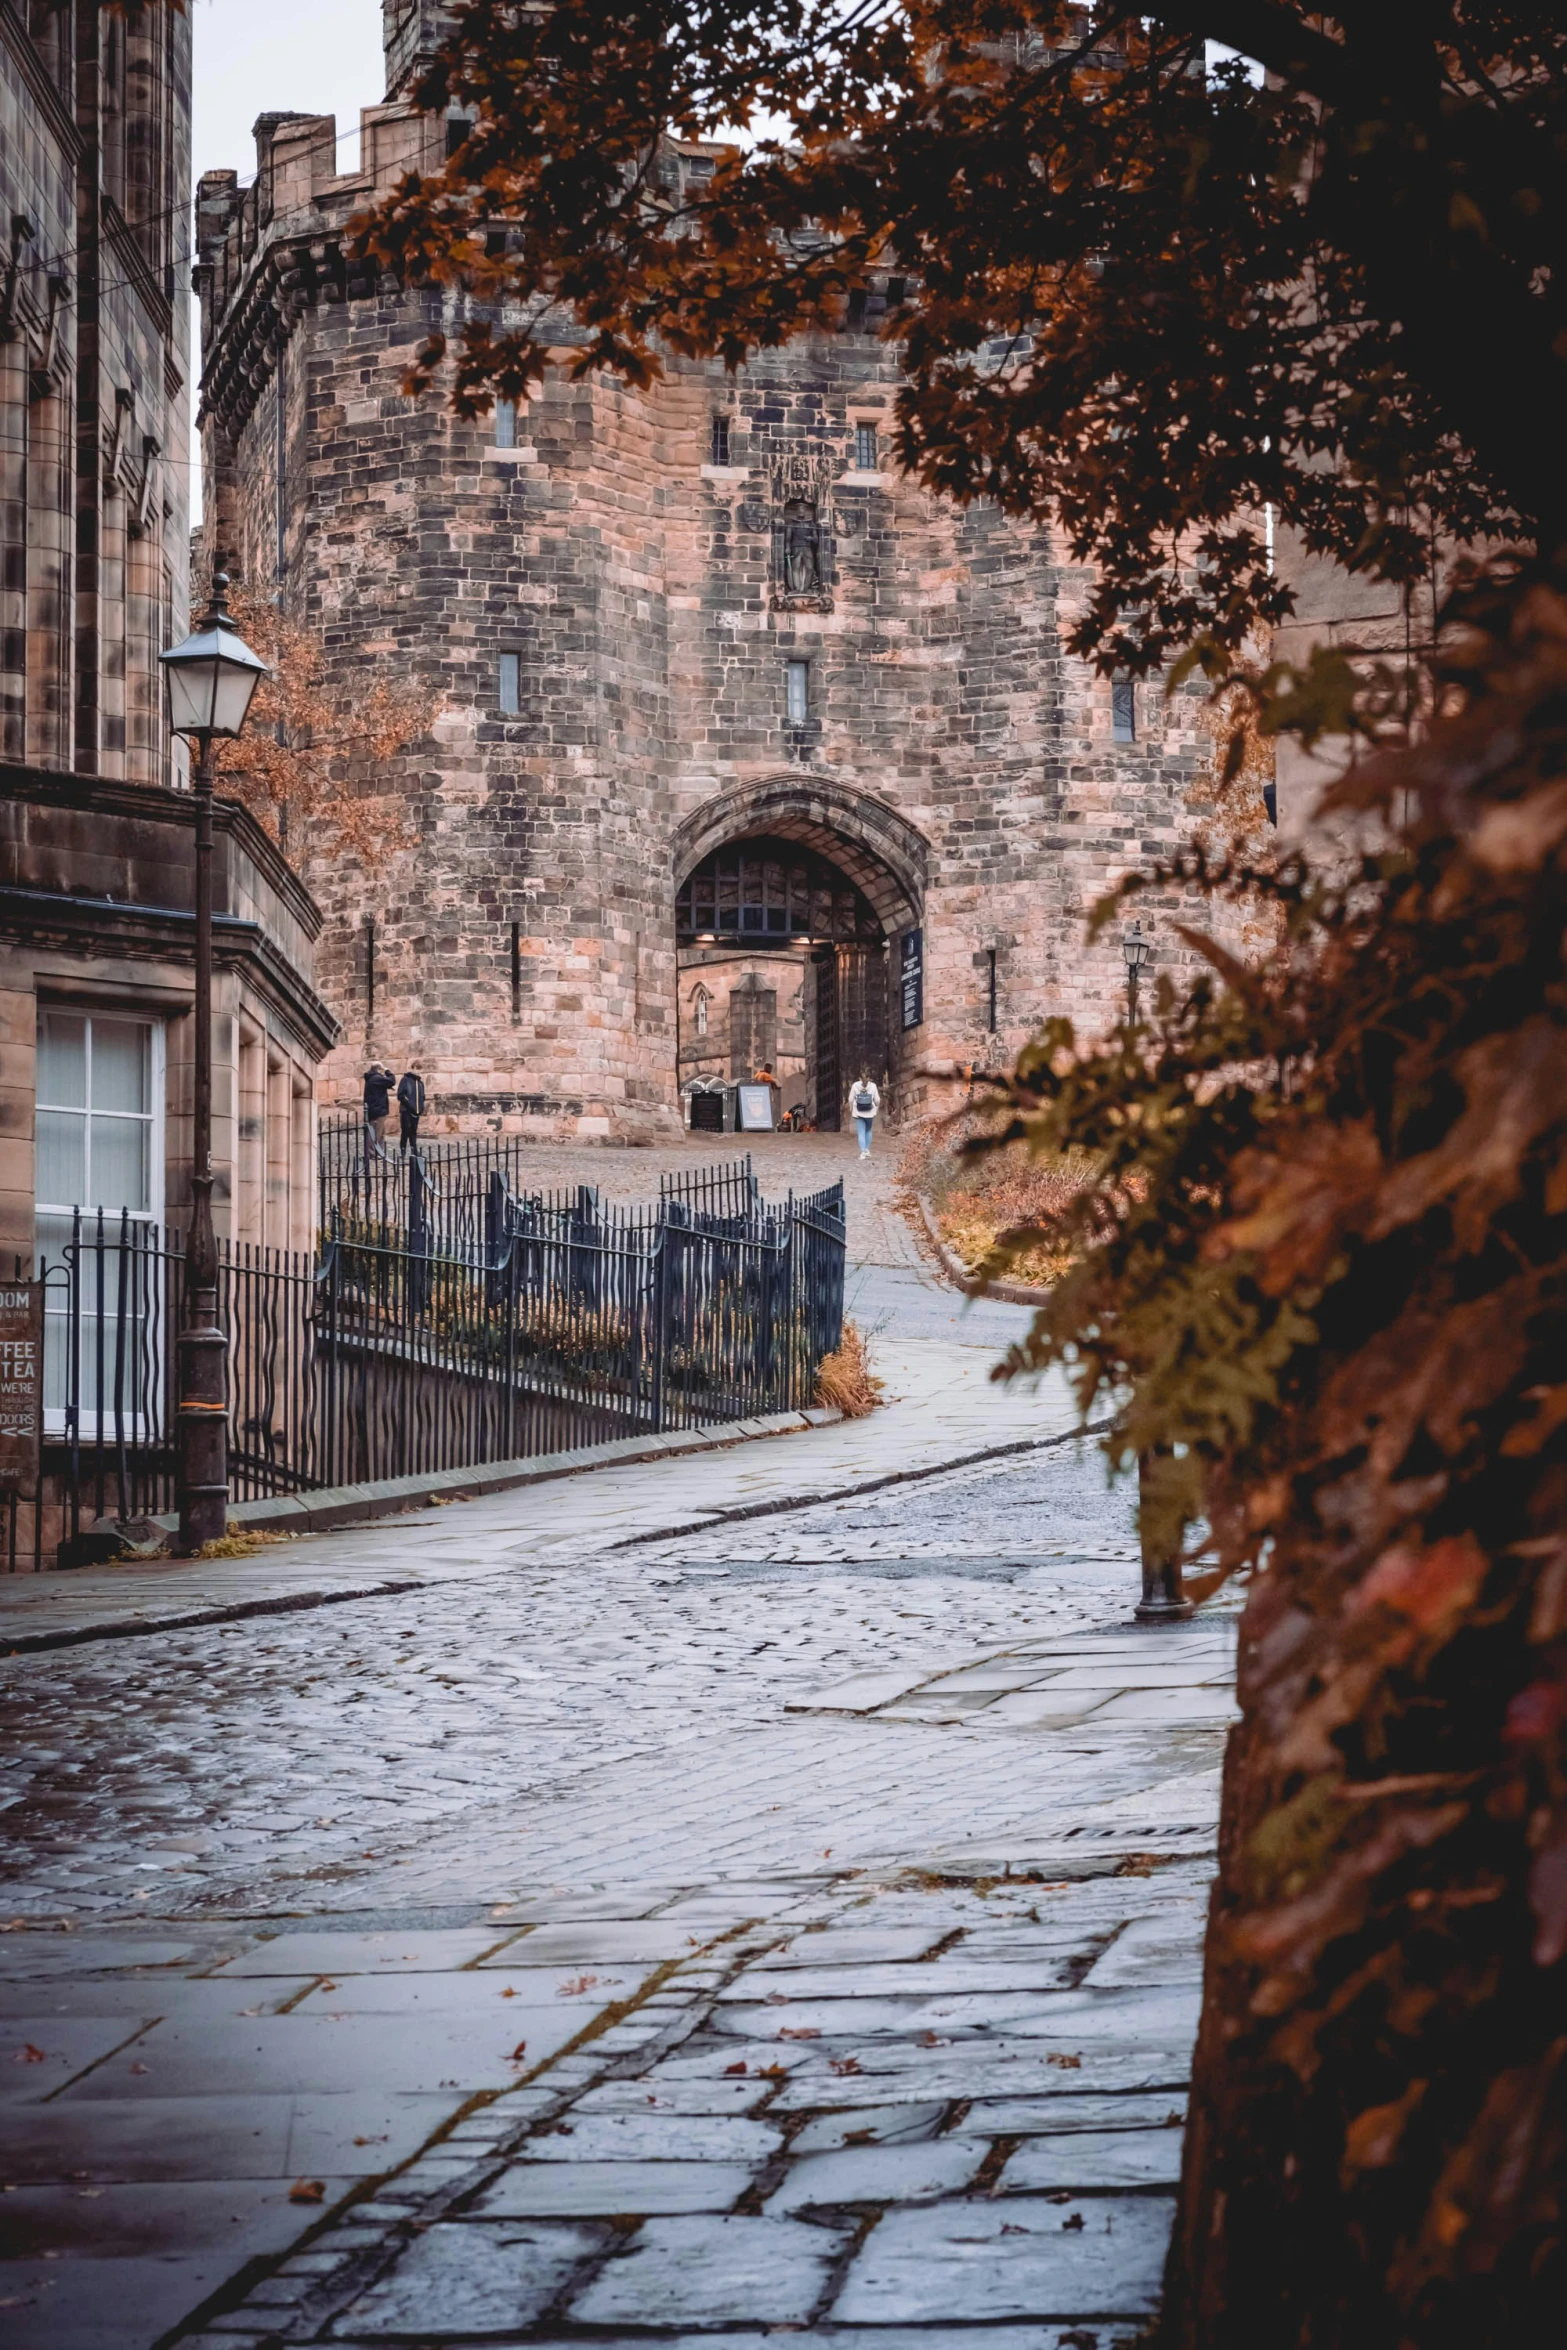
(511, 685)
(897, 287)
(505, 424)
(797, 692)
(866, 452)
(1123, 710)
(720, 440)
(457, 128)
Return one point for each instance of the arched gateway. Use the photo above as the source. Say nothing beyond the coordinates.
(790, 905)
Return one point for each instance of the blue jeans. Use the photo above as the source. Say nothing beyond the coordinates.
(862, 1127)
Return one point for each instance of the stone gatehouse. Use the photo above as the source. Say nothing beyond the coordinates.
(737, 727)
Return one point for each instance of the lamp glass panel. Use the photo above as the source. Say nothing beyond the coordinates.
(236, 682)
(193, 687)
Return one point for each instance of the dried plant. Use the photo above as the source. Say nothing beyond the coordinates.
(845, 1381)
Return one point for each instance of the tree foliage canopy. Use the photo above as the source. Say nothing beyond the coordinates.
(306, 764)
(1136, 292)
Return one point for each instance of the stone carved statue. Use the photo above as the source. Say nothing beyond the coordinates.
(802, 549)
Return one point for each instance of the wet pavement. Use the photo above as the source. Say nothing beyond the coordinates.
(790, 1925)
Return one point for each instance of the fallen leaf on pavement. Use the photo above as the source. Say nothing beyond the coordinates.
(843, 2065)
(518, 2053)
(510, 1991)
(575, 1988)
(141, 2068)
(729, 2068)
(307, 2191)
(28, 2054)
(798, 2032)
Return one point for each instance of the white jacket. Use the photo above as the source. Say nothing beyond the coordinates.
(873, 1089)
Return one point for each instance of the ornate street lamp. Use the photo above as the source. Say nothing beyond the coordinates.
(1139, 954)
(212, 677)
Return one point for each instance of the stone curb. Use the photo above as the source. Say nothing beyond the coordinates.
(354, 1505)
(347, 1505)
(809, 1501)
(1011, 1293)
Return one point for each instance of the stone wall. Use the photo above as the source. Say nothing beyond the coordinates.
(94, 406)
(635, 601)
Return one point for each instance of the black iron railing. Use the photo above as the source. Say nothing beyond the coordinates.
(443, 1324)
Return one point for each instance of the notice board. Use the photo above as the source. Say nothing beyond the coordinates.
(911, 978)
(21, 1384)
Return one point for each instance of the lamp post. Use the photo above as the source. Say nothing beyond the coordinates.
(1139, 954)
(211, 677)
(1164, 1601)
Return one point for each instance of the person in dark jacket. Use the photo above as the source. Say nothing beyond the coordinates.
(410, 1108)
(378, 1107)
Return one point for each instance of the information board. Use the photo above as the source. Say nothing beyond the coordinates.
(756, 1109)
(21, 1384)
(911, 978)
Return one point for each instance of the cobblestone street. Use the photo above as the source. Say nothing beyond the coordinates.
(622, 1935)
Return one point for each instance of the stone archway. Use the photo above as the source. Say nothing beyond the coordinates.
(791, 897)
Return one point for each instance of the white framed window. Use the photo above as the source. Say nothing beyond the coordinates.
(511, 685)
(505, 424)
(1123, 710)
(699, 1005)
(797, 692)
(99, 1143)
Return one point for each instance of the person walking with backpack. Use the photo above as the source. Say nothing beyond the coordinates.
(410, 1107)
(864, 1102)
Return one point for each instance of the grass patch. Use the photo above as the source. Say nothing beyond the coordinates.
(983, 1208)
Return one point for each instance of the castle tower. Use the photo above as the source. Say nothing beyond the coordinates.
(747, 747)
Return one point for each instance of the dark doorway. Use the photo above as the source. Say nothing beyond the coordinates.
(828, 1070)
(851, 1027)
(783, 959)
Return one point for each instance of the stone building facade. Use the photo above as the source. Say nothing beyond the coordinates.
(94, 404)
(96, 869)
(728, 709)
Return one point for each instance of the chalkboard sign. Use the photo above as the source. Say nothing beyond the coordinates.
(21, 1383)
(911, 978)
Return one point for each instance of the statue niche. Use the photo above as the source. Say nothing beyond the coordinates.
(802, 565)
(802, 550)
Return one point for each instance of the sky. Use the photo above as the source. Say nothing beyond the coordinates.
(275, 56)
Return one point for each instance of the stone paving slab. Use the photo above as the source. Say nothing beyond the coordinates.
(682, 2272)
(1098, 2257)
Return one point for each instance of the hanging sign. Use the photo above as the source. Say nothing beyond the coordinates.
(911, 978)
(21, 1383)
